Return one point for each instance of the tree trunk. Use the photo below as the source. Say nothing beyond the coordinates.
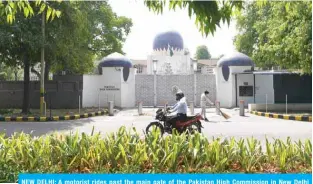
(15, 75)
(25, 108)
(47, 69)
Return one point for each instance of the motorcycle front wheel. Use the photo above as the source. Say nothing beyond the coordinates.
(155, 126)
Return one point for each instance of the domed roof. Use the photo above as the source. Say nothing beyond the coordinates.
(114, 60)
(172, 38)
(235, 59)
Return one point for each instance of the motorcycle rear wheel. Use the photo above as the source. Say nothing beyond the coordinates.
(156, 125)
(194, 127)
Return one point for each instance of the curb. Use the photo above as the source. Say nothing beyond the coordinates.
(280, 116)
(53, 118)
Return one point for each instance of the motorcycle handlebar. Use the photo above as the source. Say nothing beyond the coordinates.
(167, 110)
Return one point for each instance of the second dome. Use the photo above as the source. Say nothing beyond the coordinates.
(171, 38)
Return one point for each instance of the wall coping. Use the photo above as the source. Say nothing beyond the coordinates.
(281, 107)
(283, 116)
(48, 118)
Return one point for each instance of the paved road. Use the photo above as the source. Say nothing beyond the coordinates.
(237, 126)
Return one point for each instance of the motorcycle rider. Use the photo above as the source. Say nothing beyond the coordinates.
(180, 107)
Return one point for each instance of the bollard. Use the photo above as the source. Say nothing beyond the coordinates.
(217, 107)
(192, 108)
(140, 108)
(165, 107)
(242, 108)
(111, 113)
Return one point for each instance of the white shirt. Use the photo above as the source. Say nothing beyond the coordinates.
(204, 99)
(181, 106)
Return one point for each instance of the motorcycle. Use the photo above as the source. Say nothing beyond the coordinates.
(165, 123)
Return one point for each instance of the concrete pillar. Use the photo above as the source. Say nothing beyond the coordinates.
(111, 108)
(242, 108)
(192, 109)
(217, 107)
(140, 108)
(195, 88)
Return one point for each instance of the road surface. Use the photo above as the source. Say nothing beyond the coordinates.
(237, 126)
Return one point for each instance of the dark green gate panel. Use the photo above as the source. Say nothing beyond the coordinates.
(297, 87)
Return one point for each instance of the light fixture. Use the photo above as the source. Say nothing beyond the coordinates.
(155, 65)
(194, 64)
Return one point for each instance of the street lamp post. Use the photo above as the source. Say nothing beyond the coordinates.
(195, 69)
(42, 77)
(154, 79)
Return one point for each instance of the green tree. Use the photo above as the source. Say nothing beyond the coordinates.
(8, 12)
(209, 14)
(66, 44)
(84, 31)
(202, 52)
(9, 9)
(9, 73)
(20, 46)
(277, 34)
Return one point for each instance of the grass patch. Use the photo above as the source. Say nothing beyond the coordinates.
(126, 152)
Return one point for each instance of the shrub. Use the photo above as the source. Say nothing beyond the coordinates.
(127, 152)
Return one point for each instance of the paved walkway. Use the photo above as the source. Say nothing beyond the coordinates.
(236, 126)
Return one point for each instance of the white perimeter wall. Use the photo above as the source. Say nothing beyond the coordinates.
(92, 84)
(264, 85)
(128, 90)
(224, 89)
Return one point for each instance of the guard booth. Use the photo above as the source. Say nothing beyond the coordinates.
(236, 80)
(115, 82)
(230, 86)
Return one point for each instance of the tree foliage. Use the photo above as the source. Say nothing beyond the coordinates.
(10, 8)
(88, 30)
(19, 40)
(84, 31)
(209, 14)
(202, 52)
(277, 34)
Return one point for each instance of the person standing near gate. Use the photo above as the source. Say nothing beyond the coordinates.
(204, 100)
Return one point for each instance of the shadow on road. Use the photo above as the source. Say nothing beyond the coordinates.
(41, 128)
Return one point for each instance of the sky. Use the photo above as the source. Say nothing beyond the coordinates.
(146, 25)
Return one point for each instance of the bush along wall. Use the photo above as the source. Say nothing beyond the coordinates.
(127, 152)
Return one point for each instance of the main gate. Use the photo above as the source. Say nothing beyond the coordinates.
(160, 92)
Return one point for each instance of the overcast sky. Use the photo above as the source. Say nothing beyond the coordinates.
(147, 24)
